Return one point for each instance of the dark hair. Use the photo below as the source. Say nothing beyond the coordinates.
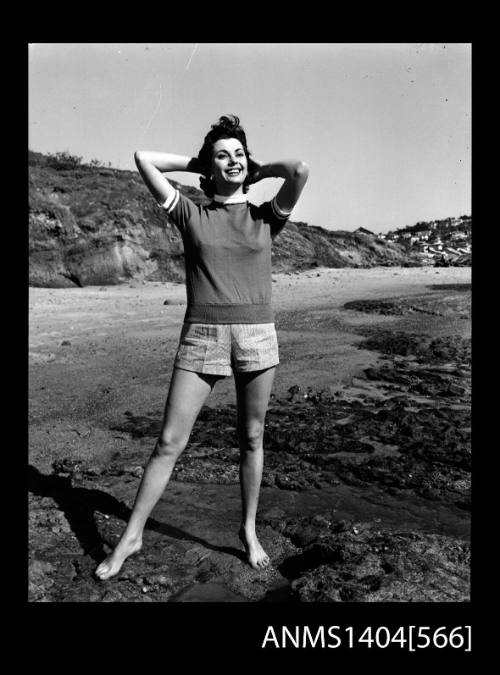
(228, 126)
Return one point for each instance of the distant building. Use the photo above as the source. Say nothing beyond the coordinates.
(362, 230)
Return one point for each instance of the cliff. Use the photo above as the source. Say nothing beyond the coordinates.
(92, 225)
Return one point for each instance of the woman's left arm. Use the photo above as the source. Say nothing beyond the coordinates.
(295, 173)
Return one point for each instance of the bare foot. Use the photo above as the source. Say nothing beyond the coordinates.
(112, 564)
(257, 557)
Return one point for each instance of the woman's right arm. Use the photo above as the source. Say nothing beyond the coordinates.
(152, 165)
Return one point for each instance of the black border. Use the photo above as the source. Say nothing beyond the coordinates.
(217, 630)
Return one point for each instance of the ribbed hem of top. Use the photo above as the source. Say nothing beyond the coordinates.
(229, 314)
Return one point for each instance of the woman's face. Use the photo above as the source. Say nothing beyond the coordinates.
(229, 164)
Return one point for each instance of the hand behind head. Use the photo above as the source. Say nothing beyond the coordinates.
(254, 171)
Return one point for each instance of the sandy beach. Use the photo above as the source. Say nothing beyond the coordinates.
(100, 360)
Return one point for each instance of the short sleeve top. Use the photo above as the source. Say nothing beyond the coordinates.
(227, 249)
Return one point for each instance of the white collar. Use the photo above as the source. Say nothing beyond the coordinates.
(232, 199)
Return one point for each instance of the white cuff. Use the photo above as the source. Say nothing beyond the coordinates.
(278, 212)
(169, 204)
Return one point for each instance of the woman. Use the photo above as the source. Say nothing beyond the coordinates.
(229, 323)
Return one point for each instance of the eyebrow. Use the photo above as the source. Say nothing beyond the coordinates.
(227, 152)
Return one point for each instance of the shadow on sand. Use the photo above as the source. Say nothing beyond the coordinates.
(80, 504)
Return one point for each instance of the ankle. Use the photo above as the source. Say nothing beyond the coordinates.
(131, 539)
(247, 528)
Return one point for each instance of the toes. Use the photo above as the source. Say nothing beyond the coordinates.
(103, 570)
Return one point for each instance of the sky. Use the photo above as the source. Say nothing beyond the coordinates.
(384, 128)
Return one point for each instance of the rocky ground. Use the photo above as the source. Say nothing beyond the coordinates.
(366, 487)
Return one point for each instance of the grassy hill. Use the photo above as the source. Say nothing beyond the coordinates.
(95, 225)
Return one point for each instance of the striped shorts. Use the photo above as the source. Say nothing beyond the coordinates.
(217, 349)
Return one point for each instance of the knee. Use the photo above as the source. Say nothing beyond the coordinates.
(252, 435)
(169, 445)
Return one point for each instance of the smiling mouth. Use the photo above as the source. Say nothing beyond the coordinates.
(233, 172)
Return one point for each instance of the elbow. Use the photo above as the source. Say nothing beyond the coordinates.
(139, 157)
(301, 170)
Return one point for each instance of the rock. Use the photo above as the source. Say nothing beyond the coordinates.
(60, 523)
(159, 580)
(305, 587)
(39, 579)
(456, 389)
(136, 471)
(208, 592)
(65, 343)
(113, 595)
(364, 563)
(67, 571)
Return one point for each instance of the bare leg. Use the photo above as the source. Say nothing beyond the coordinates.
(252, 391)
(187, 394)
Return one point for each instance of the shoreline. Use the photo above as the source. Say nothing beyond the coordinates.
(96, 405)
